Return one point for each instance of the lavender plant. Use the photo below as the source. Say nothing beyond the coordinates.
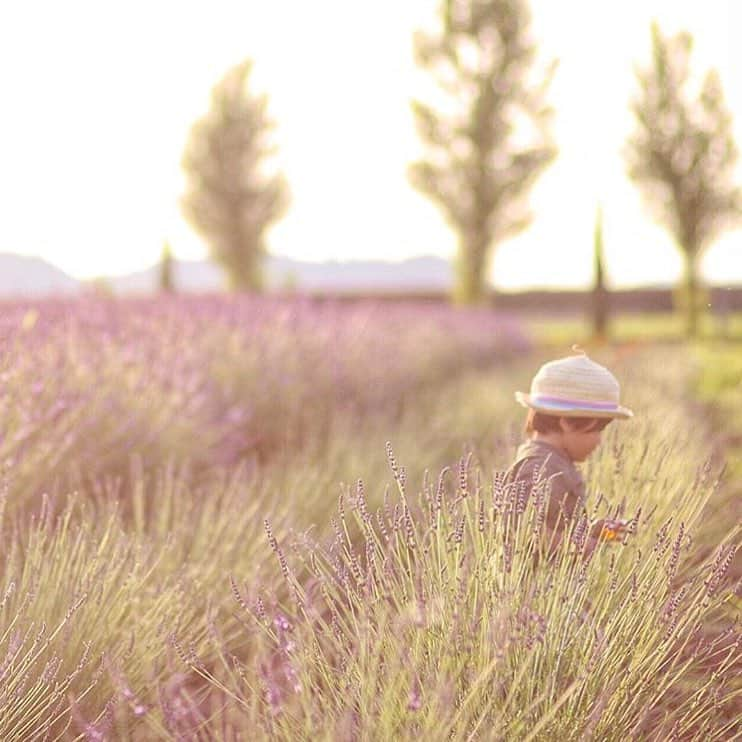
(153, 557)
(428, 611)
(93, 602)
(88, 384)
(449, 619)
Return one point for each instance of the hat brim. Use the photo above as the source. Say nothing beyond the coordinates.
(570, 409)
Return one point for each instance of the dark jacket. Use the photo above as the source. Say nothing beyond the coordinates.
(538, 462)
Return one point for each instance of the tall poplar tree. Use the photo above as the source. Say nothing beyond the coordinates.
(232, 195)
(165, 278)
(600, 292)
(486, 135)
(682, 155)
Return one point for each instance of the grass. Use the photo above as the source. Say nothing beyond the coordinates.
(638, 327)
(717, 382)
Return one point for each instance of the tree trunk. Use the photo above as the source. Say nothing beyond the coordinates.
(600, 295)
(244, 270)
(690, 286)
(471, 283)
(600, 313)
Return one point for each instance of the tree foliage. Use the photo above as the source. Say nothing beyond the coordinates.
(486, 135)
(232, 197)
(682, 155)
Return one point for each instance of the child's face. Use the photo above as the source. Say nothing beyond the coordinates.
(578, 442)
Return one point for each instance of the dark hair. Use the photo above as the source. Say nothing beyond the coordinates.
(540, 422)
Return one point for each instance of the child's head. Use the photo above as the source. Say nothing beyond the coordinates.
(578, 437)
(571, 401)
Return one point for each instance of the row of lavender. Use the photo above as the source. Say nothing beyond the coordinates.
(87, 385)
(432, 616)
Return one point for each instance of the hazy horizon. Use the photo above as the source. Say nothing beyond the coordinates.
(660, 285)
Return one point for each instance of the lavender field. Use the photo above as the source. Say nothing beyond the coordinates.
(229, 519)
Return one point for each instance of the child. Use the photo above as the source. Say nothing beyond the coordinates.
(571, 401)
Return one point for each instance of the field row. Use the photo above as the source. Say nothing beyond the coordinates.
(87, 386)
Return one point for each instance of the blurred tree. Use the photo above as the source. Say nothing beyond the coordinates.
(600, 292)
(231, 197)
(682, 154)
(165, 274)
(487, 137)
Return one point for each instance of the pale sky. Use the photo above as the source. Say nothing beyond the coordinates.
(97, 99)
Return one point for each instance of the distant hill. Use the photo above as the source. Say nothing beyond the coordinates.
(196, 275)
(22, 275)
(416, 274)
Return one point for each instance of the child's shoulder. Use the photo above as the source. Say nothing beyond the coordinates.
(539, 452)
(537, 460)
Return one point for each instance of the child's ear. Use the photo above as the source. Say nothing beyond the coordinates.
(566, 425)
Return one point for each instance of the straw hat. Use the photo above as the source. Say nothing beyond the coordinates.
(575, 387)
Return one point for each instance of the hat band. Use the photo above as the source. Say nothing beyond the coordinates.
(568, 404)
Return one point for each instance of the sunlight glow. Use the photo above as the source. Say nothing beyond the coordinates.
(98, 99)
